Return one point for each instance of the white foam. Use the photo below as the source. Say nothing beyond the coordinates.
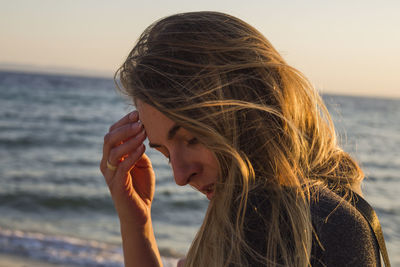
(64, 250)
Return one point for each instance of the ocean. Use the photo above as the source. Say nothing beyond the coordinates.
(55, 205)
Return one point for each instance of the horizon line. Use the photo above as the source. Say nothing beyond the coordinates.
(85, 73)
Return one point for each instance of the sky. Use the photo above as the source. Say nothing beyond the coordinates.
(343, 46)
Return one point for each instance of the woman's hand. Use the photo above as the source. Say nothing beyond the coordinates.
(128, 171)
(130, 178)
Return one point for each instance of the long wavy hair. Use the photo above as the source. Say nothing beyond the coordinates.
(222, 80)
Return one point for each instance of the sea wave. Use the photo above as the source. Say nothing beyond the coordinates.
(44, 141)
(28, 201)
(64, 250)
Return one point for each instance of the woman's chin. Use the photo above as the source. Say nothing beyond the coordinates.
(210, 195)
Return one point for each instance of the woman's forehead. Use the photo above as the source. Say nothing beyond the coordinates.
(156, 124)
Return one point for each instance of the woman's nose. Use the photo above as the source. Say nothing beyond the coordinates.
(183, 170)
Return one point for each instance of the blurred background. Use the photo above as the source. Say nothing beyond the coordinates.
(57, 100)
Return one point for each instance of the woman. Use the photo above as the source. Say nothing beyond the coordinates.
(247, 130)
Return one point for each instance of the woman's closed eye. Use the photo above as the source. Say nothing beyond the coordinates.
(193, 141)
(164, 151)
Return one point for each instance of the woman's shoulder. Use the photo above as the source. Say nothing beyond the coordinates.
(342, 235)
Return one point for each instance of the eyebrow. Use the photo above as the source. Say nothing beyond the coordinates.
(170, 135)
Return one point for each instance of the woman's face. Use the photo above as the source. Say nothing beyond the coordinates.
(192, 163)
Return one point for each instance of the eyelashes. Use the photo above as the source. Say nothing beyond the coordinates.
(191, 142)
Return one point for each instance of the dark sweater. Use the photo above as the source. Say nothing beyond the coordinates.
(344, 236)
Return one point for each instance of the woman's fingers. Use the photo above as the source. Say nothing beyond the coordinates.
(118, 152)
(124, 167)
(131, 117)
(119, 135)
(122, 131)
(129, 162)
(114, 154)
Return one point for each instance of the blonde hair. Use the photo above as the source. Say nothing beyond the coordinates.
(221, 79)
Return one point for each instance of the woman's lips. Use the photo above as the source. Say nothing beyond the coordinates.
(208, 190)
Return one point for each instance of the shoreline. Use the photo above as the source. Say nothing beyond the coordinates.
(23, 249)
(13, 260)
